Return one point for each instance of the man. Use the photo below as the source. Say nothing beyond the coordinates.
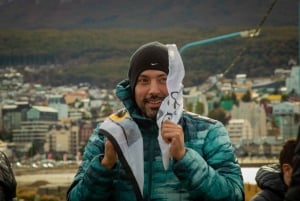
(273, 180)
(8, 184)
(294, 189)
(201, 163)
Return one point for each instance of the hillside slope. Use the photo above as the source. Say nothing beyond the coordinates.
(143, 14)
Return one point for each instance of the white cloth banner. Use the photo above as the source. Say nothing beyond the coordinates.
(125, 132)
(172, 106)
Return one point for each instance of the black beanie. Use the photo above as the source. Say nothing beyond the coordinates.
(153, 55)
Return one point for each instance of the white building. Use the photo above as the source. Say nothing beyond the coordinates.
(293, 81)
(195, 97)
(58, 102)
(256, 116)
(239, 129)
(63, 138)
(240, 78)
(285, 116)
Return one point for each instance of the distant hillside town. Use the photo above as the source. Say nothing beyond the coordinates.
(44, 122)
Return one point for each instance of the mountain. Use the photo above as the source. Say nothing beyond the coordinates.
(144, 14)
(91, 40)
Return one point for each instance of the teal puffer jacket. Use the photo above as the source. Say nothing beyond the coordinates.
(208, 171)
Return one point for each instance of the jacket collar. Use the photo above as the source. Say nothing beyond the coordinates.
(123, 92)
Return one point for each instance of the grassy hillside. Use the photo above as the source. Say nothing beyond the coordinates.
(101, 56)
(70, 14)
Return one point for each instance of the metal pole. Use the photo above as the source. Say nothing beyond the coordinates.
(243, 34)
(200, 42)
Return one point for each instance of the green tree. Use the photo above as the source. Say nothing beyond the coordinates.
(219, 114)
(189, 107)
(247, 97)
(37, 146)
(199, 108)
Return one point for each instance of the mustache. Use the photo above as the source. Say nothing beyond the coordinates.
(154, 98)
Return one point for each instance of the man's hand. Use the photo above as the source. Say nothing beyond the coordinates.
(110, 155)
(172, 134)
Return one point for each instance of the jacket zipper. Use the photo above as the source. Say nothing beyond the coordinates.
(153, 130)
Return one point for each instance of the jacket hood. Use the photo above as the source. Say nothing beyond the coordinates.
(270, 177)
(123, 92)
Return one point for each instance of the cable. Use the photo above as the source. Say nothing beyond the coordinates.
(248, 42)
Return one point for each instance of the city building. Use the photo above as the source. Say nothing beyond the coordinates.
(62, 138)
(193, 99)
(254, 114)
(35, 127)
(11, 115)
(57, 102)
(293, 81)
(285, 114)
(238, 130)
(31, 132)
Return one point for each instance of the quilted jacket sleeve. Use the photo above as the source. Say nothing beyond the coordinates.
(213, 172)
(92, 181)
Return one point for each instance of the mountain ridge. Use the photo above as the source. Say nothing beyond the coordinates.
(68, 14)
(94, 37)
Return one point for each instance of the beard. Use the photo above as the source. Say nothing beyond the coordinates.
(150, 106)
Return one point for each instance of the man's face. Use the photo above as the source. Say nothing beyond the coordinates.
(150, 91)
